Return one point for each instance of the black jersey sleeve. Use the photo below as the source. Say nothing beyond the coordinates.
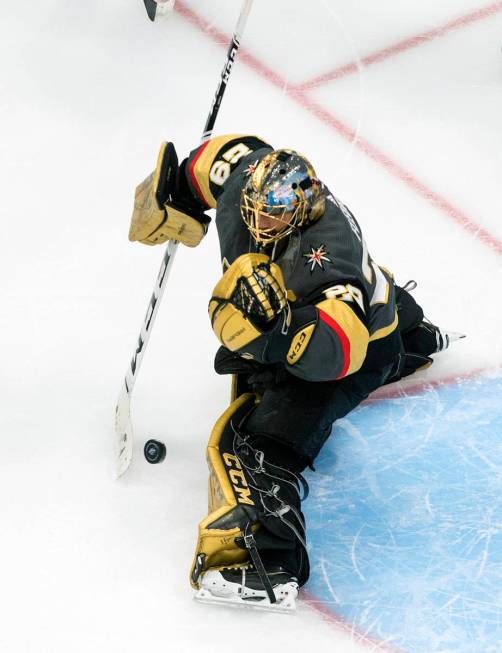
(323, 342)
(207, 167)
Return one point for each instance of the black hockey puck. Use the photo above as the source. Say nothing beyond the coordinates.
(154, 451)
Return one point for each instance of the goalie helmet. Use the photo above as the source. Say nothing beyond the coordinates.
(282, 193)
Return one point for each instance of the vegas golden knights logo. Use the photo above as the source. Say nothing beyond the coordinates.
(238, 479)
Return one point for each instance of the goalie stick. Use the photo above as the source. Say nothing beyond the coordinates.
(123, 422)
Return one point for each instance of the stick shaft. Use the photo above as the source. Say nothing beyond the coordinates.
(227, 69)
(123, 422)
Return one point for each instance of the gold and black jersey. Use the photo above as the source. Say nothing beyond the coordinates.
(210, 166)
(343, 315)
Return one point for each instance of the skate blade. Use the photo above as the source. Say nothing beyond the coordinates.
(287, 605)
(453, 336)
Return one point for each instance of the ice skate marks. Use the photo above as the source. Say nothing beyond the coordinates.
(405, 519)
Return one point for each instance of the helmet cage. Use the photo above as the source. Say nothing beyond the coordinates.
(284, 219)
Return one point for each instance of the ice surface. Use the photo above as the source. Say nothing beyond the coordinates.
(405, 511)
(405, 519)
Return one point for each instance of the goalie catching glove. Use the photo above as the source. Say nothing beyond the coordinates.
(164, 209)
(248, 301)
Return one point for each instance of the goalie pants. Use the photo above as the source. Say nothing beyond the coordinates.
(295, 417)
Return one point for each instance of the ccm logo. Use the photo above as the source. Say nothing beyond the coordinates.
(299, 344)
(238, 479)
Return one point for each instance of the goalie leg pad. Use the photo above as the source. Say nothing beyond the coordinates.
(254, 505)
(231, 507)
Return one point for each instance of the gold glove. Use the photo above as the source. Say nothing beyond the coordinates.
(158, 214)
(247, 300)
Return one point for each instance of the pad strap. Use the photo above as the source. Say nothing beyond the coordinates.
(250, 543)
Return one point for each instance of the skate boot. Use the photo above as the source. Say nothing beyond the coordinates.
(420, 335)
(244, 587)
(434, 338)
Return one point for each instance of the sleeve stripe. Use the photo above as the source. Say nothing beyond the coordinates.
(193, 178)
(345, 342)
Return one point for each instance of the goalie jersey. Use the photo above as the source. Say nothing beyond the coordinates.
(343, 315)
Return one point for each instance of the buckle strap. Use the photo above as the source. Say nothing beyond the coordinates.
(410, 285)
(250, 543)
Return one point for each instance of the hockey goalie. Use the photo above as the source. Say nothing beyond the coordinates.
(309, 326)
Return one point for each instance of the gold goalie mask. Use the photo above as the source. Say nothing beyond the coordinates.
(281, 194)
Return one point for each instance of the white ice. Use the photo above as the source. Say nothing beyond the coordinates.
(88, 90)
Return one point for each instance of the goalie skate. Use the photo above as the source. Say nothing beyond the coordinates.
(243, 588)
